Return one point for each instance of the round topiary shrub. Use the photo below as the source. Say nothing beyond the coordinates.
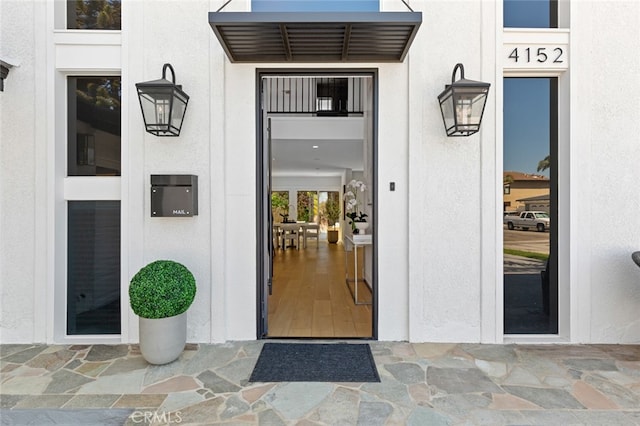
(162, 289)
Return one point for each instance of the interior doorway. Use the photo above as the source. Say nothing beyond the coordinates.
(315, 136)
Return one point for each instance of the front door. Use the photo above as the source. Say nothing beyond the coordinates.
(316, 135)
(266, 247)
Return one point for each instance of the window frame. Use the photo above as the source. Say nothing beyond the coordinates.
(567, 327)
(80, 188)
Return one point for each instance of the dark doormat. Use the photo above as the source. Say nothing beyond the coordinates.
(315, 362)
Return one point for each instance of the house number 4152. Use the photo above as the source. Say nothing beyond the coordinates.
(541, 55)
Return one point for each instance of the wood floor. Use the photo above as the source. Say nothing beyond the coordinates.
(310, 297)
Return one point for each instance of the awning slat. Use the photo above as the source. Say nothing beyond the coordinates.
(315, 36)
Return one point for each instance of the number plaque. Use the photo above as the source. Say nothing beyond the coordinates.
(536, 57)
(536, 50)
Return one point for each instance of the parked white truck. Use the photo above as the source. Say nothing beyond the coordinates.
(528, 219)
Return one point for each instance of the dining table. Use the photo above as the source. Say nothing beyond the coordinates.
(281, 228)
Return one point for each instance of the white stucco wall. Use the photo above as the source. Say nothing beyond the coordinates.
(439, 242)
(18, 185)
(605, 113)
(445, 193)
(186, 240)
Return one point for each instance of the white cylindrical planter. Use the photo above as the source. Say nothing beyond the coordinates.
(162, 340)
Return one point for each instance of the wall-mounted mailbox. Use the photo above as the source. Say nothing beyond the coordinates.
(174, 195)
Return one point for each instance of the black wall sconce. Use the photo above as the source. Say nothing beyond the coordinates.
(5, 66)
(462, 104)
(163, 104)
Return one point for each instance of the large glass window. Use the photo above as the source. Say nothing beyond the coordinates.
(307, 206)
(93, 267)
(94, 126)
(315, 5)
(280, 206)
(93, 14)
(530, 13)
(330, 210)
(530, 206)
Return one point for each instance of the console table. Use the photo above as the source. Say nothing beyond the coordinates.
(356, 243)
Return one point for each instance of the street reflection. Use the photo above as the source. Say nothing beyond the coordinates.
(524, 289)
(530, 285)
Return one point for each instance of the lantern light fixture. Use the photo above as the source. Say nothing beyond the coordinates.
(5, 65)
(163, 104)
(462, 104)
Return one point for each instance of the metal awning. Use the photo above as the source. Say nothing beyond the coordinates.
(315, 36)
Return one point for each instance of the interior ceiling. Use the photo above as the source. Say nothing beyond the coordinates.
(331, 158)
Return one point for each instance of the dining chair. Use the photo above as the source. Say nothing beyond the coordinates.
(290, 236)
(310, 231)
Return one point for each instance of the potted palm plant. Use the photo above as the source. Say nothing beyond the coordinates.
(160, 294)
(332, 213)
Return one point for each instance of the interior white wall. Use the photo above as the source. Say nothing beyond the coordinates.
(317, 127)
(320, 183)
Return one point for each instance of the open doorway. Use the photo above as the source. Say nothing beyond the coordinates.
(315, 137)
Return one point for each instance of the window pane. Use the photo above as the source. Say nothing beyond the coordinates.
(93, 267)
(332, 96)
(530, 207)
(530, 13)
(315, 5)
(330, 210)
(93, 14)
(307, 206)
(94, 126)
(280, 205)
(322, 95)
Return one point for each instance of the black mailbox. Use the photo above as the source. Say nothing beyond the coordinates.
(174, 195)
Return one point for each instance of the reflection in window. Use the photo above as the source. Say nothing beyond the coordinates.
(93, 267)
(93, 14)
(530, 14)
(94, 126)
(530, 174)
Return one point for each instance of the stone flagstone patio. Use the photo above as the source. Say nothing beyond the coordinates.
(421, 384)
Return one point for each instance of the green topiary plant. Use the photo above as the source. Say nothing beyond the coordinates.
(162, 289)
